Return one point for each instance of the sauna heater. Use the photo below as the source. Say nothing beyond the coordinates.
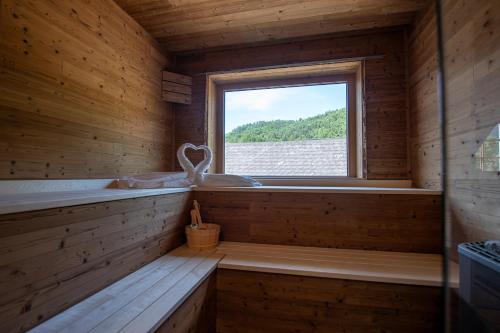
(479, 289)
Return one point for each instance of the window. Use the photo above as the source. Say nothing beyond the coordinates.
(287, 127)
(488, 154)
(286, 131)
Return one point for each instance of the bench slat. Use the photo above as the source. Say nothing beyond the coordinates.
(151, 318)
(374, 266)
(80, 312)
(118, 305)
(119, 319)
(125, 292)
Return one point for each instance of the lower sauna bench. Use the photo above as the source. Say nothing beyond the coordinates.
(275, 288)
(174, 293)
(267, 288)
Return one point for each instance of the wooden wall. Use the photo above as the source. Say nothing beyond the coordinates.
(52, 259)
(386, 222)
(263, 302)
(385, 88)
(425, 130)
(472, 48)
(80, 92)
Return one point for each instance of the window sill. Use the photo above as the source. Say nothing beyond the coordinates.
(330, 182)
(321, 189)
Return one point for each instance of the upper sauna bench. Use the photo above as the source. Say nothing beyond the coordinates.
(29, 195)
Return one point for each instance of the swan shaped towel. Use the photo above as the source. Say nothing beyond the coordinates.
(197, 174)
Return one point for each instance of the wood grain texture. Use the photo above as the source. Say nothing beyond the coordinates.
(471, 48)
(420, 269)
(197, 314)
(405, 223)
(384, 89)
(80, 92)
(189, 25)
(54, 258)
(264, 302)
(425, 131)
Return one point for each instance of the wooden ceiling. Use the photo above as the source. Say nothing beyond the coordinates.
(181, 25)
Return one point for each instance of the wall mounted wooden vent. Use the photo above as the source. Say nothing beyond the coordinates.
(176, 88)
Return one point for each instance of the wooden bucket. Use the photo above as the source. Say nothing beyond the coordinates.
(204, 238)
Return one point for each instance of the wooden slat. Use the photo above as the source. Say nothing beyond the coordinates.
(54, 258)
(176, 88)
(176, 98)
(201, 24)
(68, 112)
(25, 202)
(383, 222)
(425, 139)
(150, 319)
(141, 301)
(177, 78)
(268, 302)
(197, 314)
(374, 266)
(88, 313)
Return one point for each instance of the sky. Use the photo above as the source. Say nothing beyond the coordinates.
(249, 106)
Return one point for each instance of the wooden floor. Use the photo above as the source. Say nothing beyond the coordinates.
(371, 266)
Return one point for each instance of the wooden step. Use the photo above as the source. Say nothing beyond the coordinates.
(141, 301)
(375, 266)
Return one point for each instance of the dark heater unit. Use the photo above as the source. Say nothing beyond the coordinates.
(479, 288)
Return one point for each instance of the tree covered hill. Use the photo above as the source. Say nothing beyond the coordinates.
(331, 124)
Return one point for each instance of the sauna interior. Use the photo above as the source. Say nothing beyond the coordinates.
(379, 213)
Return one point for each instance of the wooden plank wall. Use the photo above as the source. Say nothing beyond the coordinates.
(425, 130)
(52, 259)
(472, 48)
(263, 302)
(386, 222)
(385, 88)
(198, 312)
(80, 92)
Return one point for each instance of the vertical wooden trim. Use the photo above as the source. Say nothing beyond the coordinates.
(360, 116)
(211, 119)
(351, 128)
(363, 124)
(220, 121)
(409, 173)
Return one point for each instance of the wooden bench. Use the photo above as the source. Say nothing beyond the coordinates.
(249, 274)
(143, 300)
(374, 266)
(274, 288)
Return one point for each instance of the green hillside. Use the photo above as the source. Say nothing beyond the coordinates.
(331, 124)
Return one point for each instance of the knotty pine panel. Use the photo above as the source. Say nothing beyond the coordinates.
(471, 33)
(80, 92)
(384, 222)
(51, 259)
(385, 88)
(233, 22)
(425, 130)
(198, 312)
(265, 302)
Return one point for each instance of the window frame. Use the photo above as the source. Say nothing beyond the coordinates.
(351, 105)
